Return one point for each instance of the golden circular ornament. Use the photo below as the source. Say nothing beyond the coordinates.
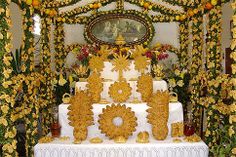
(112, 130)
(96, 63)
(120, 91)
(145, 87)
(141, 63)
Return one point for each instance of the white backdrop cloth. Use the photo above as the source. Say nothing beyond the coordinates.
(157, 85)
(108, 148)
(175, 115)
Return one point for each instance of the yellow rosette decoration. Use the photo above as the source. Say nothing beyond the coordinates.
(120, 91)
(124, 129)
(141, 63)
(96, 64)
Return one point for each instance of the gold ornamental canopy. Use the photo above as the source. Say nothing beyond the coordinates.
(120, 40)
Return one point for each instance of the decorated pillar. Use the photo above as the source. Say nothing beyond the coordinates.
(46, 90)
(196, 66)
(59, 40)
(184, 42)
(232, 117)
(7, 99)
(214, 69)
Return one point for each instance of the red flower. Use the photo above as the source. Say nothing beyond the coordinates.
(162, 56)
(81, 57)
(148, 54)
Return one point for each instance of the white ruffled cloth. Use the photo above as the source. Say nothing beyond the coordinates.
(130, 149)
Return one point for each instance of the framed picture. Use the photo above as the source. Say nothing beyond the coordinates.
(106, 28)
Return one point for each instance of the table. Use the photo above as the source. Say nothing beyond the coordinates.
(175, 115)
(157, 85)
(108, 148)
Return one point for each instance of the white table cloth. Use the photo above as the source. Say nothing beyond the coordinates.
(175, 115)
(130, 149)
(157, 85)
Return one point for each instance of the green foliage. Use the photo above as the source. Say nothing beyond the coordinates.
(178, 81)
(225, 142)
(16, 62)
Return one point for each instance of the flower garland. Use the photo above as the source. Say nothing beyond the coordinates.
(214, 68)
(7, 128)
(147, 5)
(76, 20)
(184, 42)
(163, 18)
(183, 3)
(59, 4)
(69, 48)
(232, 119)
(46, 90)
(120, 4)
(197, 31)
(86, 8)
(59, 41)
(30, 79)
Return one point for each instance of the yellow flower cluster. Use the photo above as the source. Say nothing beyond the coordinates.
(60, 54)
(85, 9)
(184, 42)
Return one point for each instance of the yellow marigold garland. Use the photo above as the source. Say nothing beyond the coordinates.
(110, 129)
(214, 69)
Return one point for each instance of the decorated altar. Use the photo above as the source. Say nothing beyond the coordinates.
(118, 91)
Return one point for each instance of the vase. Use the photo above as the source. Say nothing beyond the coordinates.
(189, 128)
(55, 126)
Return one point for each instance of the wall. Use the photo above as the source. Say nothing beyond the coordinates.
(226, 34)
(16, 29)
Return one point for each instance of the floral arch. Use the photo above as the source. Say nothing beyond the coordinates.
(37, 83)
